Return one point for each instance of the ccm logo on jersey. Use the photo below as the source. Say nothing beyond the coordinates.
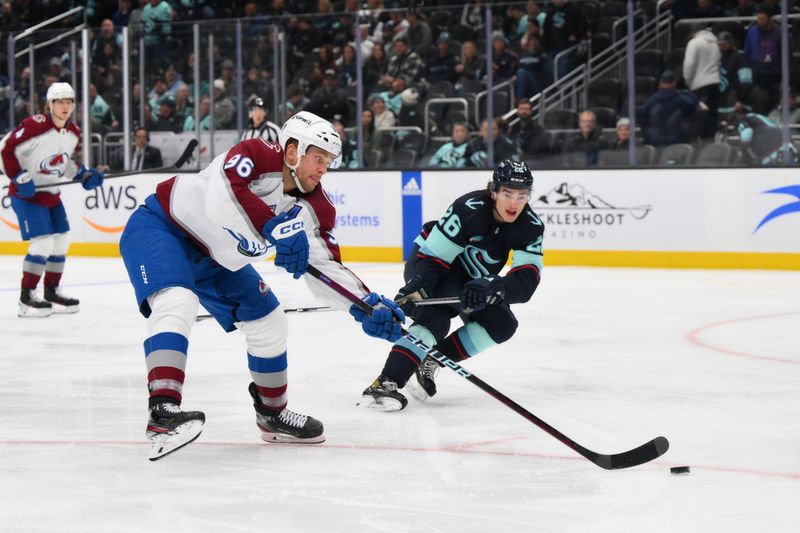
(55, 164)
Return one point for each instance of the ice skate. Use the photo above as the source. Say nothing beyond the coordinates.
(424, 386)
(171, 429)
(286, 426)
(60, 303)
(383, 395)
(30, 306)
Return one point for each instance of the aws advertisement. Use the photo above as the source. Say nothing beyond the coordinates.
(746, 211)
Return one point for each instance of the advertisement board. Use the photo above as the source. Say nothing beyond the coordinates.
(733, 218)
(658, 210)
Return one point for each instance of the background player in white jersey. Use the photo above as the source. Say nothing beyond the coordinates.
(193, 243)
(461, 256)
(259, 127)
(39, 152)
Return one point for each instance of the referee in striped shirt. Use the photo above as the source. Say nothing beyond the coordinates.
(259, 127)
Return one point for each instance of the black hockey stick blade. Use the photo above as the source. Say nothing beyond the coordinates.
(187, 153)
(643, 454)
(637, 456)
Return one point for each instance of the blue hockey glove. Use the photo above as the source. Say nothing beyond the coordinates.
(25, 186)
(413, 291)
(386, 319)
(90, 178)
(478, 293)
(288, 235)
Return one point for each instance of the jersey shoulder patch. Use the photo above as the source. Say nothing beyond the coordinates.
(34, 126)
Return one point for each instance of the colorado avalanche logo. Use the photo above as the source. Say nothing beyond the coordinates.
(54, 165)
(263, 288)
(246, 247)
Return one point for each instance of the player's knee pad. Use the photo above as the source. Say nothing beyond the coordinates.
(500, 324)
(174, 309)
(266, 336)
(41, 246)
(60, 244)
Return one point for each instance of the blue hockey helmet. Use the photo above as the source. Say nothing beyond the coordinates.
(512, 174)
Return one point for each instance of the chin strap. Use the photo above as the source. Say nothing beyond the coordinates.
(293, 172)
(297, 181)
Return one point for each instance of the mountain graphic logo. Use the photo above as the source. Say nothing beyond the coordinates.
(791, 207)
(574, 196)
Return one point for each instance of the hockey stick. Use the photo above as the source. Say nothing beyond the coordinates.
(643, 454)
(437, 301)
(184, 157)
(200, 318)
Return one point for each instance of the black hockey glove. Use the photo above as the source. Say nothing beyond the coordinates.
(412, 292)
(478, 293)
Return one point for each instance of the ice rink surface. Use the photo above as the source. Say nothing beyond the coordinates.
(610, 357)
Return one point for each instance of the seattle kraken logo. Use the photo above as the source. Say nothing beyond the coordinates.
(55, 165)
(473, 258)
(792, 207)
(247, 247)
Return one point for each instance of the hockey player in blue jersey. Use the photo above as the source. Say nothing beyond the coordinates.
(461, 256)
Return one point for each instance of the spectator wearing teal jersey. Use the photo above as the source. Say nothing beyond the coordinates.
(454, 153)
(156, 22)
(100, 110)
(762, 142)
(205, 117)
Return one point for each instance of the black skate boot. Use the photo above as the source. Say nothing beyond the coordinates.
(424, 386)
(383, 395)
(286, 426)
(61, 303)
(170, 429)
(31, 306)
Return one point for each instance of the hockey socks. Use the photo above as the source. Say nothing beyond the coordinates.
(165, 357)
(407, 360)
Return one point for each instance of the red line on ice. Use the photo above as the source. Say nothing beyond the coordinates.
(694, 337)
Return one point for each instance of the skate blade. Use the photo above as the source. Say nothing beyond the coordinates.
(65, 309)
(382, 404)
(416, 390)
(33, 312)
(163, 444)
(282, 438)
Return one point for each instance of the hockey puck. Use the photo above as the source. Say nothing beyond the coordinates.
(679, 470)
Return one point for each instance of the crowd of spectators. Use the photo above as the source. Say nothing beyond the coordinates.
(411, 52)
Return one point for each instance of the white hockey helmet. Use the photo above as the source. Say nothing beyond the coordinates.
(60, 91)
(310, 130)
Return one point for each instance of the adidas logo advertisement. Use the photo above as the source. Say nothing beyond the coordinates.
(411, 187)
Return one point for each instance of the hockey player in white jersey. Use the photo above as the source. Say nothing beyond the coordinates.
(39, 152)
(193, 243)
